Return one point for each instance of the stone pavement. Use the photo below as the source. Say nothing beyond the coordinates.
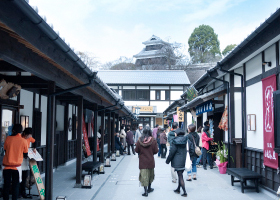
(120, 182)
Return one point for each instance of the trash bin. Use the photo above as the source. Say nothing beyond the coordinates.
(238, 160)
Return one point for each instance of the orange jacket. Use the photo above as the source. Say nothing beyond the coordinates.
(14, 148)
(205, 140)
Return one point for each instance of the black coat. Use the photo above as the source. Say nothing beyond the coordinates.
(193, 136)
(178, 152)
(118, 144)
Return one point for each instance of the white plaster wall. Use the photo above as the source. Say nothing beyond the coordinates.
(70, 108)
(143, 87)
(204, 117)
(120, 92)
(219, 83)
(138, 103)
(254, 106)
(152, 95)
(177, 87)
(60, 117)
(237, 79)
(26, 99)
(226, 78)
(128, 87)
(44, 103)
(254, 67)
(36, 100)
(160, 87)
(161, 105)
(270, 56)
(114, 87)
(189, 118)
(238, 116)
(162, 95)
(174, 95)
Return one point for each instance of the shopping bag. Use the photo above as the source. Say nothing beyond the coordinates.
(188, 164)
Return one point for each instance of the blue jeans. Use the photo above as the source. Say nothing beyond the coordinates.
(198, 159)
(159, 149)
(193, 170)
(207, 156)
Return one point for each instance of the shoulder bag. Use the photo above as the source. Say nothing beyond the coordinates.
(196, 149)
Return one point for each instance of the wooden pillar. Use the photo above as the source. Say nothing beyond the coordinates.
(113, 132)
(95, 133)
(117, 125)
(79, 143)
(109, 132)
(50, 141)
(102, 135)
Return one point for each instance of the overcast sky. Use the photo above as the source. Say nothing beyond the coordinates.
(113, 28)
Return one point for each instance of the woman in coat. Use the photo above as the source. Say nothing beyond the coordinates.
(177, 156)
(194, 138)
(123, 137)
(205, 147)
(146, 147)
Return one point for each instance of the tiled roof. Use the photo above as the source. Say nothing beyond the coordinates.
(152, 77)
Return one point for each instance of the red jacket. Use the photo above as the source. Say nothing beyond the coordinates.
(205, 140)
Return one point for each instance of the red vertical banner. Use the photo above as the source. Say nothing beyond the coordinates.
(270, 157)
(86, 137)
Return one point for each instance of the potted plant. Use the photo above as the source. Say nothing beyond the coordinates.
(222, 158)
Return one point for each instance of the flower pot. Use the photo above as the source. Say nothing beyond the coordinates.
(223, 167)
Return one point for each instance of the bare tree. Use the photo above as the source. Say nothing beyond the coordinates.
(123, 63)
(89, 59)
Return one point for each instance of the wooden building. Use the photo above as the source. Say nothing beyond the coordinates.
(57, 91)
(151, 90)
(245, 83)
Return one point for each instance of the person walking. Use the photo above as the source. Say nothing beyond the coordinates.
(205, 147)
(138, 133)
(123, 137)
(194, 138)
(170, 137)
(146, 147)
(27, 135)
(118, 144)
(158, 140)
(163, 141)
(200, 146)
(16, 149)
(177, 157)
(130, 141)
(155, 130)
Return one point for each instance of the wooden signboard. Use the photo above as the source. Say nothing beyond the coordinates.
(180, 115)
(144, 109)
(159, 121)
(38, 179)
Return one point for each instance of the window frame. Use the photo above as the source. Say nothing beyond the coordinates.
(167, 91)
(159, 95)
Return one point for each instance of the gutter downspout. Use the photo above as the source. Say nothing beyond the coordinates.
(243, 111)
(228, 112)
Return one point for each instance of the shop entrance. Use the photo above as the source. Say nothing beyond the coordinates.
(144, 120)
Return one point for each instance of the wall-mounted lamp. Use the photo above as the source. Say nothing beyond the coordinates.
(24, 120)
(268, 63)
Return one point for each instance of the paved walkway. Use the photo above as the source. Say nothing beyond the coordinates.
(120, 182)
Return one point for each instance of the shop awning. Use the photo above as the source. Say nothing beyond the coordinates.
(205, 97)
(175, 104)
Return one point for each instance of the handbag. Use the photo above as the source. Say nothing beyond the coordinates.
(196, 149)
(188, 164)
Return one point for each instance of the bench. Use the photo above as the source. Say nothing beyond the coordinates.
(244, 174)
(91, 166)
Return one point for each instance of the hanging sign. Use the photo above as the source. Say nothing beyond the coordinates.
(37, 177)
(180, 115)
(205, 107)
(86, 137)
(270, 157)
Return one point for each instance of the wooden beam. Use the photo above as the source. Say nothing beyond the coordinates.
(79, 144)
(50, 142)
(102, 135)
(19, 55)
(7, 67)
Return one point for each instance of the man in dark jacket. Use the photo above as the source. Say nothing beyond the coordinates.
(170, 137)
(130, 141)
(118, 144)
(163, 141)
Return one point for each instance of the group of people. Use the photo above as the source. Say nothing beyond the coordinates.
(181, 144)
(15, 161)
